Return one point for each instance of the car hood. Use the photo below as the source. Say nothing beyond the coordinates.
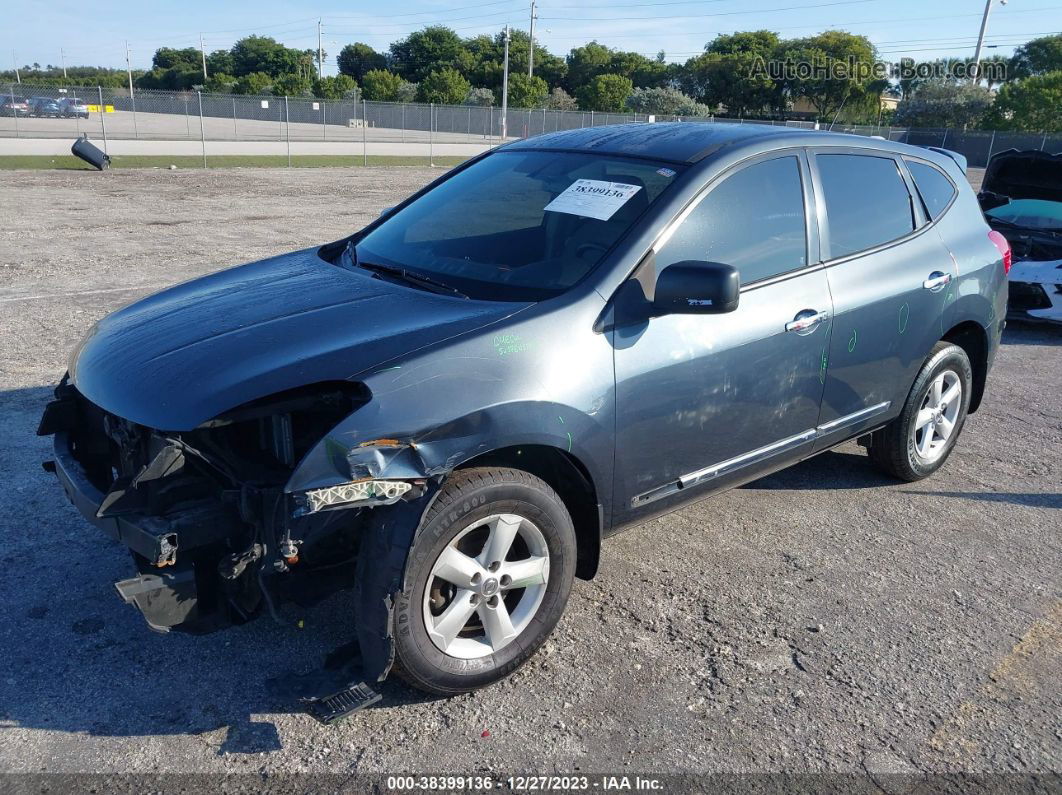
(189, 353)
(1024, 175)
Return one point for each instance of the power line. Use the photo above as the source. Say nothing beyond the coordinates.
(714, 14)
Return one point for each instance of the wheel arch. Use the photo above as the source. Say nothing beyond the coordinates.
(567, 476)
(973, 339)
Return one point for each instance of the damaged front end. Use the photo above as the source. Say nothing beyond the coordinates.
(215, 536)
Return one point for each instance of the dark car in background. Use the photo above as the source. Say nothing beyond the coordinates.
(561, 338)
(1021, 195)
(71, 107)
(13, 106)
(46, 107)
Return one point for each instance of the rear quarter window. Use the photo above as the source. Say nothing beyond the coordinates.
(936, 189)
(867, 201)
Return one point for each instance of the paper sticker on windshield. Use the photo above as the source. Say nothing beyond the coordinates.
(593, 198)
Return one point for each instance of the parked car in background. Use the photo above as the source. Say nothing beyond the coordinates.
(563, 337)
(13, 106)
(1021, 196)
(71, 107)
(44, 107)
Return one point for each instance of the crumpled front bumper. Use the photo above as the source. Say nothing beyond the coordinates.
(165, 590)
(1036, 291)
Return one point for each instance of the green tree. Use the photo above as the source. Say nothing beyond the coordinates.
(559, 99)
(433, 49)
(358, 59)
(643, 72)
(482, 97)
(334, 88)
(1037, 57)
(1031, 105)
(733, 72)
(253, 83)
(221, 61)
(605, 93)
(585, 63)
(263, 54)
(291, 85)
(176, 78)
(488, 54)
(220, 83)
(830, 70)
(665, 102)
(379, 85)
(407, 92)
(944, 103)
(443, 87)
(168, 57)
(527, 92)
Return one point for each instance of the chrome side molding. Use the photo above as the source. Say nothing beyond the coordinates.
(759, 454)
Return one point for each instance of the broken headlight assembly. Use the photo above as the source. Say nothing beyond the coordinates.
(356, 494)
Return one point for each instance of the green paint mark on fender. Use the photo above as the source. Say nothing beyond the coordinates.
(508, 344)
(852, 341)
(905, 315)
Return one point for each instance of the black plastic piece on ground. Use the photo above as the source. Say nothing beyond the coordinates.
(90, 153)
(347, 701)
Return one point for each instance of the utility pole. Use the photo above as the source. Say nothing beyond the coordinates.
(981, 40)
(531, 52)
(62, 60)
(18, 77)
(128, 68)
(202, 51)
(320, 52)
(505, 88)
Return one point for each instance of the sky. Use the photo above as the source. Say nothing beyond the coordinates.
(96, 33)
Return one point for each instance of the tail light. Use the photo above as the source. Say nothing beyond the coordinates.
(1004, 249)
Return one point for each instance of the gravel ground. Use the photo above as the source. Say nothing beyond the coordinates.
(822, 619)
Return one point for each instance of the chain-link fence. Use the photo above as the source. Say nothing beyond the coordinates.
(28, 111)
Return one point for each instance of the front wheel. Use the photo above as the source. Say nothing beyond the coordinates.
(918, 442)
(487, 580)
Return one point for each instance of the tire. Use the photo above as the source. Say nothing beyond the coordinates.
(475, 508)
(910, 449)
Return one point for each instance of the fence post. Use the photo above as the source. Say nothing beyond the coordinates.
(991, 146)
(591, 118)
(103, 119)
(202, 127)
(431, 134)
(490, 126)
(1043, 143)
(187, 118)
(944, 140)
(132, 99)
(14, 115)
(287, 129)
(324, 120)
(235, 132)
(468, 133)
(403, 122)
(364, 133)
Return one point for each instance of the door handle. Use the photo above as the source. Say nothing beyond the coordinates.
(936, 281)
(806, 321)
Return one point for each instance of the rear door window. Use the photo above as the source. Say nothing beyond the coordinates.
(753, 220)
(936, 190)
(867, 201)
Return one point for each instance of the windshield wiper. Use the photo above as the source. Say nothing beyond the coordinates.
(402, 274)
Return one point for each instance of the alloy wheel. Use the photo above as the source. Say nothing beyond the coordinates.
(486, 586)
(935, 423)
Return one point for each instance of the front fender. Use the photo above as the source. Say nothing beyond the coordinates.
(545, 378)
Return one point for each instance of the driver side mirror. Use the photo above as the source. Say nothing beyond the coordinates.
(696, 288)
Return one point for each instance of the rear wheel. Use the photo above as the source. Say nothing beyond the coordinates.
(487, 580)
(918, 442)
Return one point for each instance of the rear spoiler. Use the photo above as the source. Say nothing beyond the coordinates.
(959, 159)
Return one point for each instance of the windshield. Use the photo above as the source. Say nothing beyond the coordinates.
(1029, 213)
(519, 225)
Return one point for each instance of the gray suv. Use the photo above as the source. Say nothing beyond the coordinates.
(449, 410)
